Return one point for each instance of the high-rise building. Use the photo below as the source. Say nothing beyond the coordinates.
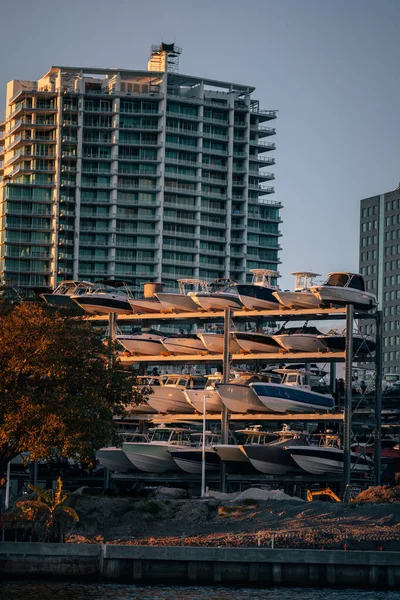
(136, 175)
(380, 266)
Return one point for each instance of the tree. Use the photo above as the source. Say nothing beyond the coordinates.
(50, 505)
(60, 386)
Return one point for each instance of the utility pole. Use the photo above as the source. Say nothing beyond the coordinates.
(348, 398)
(378, 400)
(225, 379)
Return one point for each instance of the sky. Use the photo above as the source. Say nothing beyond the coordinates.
(330, 67)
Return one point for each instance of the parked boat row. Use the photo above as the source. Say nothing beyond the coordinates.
(172, 449)
(111, 296)
(286, 339)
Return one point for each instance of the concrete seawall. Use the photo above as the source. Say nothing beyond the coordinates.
(192, 565)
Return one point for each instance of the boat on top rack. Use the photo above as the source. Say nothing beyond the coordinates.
(61, 297)
(181, 301)
(293, 394)
(222, 294)
(327, 458)
(343, 288)
(234, 456)
(274, 458)
(258, 295)
(302, 296)
(149, 303)
(153, 456)
(108, 296)
(300, 339)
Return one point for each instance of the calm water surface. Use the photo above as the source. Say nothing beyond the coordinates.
(69, 591)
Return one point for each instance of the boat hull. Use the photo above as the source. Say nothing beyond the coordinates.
(214, 342)
(135, 344)
(256, 297)
(361, 345)
(196, 399)
(256, 342)
(190, 460)
(239, 398)
(149, 457)
(103, 304)
(217, 301)
(184, 345)
(60, 301)
(320, 460)
(145, 305)
(341, 296)
(301, 342)
(169, 399)
(297, 300)
(235, 459)
(114, 459)
(272, 459)
(174, 302)
(278, 398)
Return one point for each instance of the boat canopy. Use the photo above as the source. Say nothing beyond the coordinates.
(201, 284)
(263, 277)
(304, 280)
(351, 280)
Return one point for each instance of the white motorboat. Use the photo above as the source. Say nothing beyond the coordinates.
(222, 294)
(62, 295)
(213, 400)
(234, 456)
(144, 382)
(274, 458)
(328, 458)
(293, 394)
(250, 341)
(109, 296)
(182, 302)
(114, 458)
(300, 339)
(345, 288)
(184, 344)
(149, 343)
(239, 397)
(145, 305)
(170, 398)
(301, 297)
(189, 459)
(153, 456)
(258, 295)
(214, 342)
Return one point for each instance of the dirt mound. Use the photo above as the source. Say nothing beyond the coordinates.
(384, 493)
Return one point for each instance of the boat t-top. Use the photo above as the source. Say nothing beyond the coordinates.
(343, 288)
(181, 301)
(108, 296)
(62, 295)
(258, 295)
(301, 297)
(222, 294)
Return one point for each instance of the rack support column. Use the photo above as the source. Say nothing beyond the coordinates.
(378, 400)
(348, 398)
(225, 379)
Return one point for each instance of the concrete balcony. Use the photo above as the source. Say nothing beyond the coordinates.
(181, 190)
(261, 159)
(213, 195)
(263, 131)
(182, 147)
(263, 146)
(263, 115)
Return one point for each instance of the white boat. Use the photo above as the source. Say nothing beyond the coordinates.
(293, 394)
(239, 397)
(258, 295)
(153, 456)
(214, 342)
(170, 398)
(345, 288)
(222, 294)
(181, 302)
(300, 339)
(109, 296)
(250, 341)
(62, 295)
(274, 458)
(142, 343)
(213, 400)
(184, 344)
(234, 456)
(114, 458)
(301, 297)
(145, 305)
(144, 382)
(327, 458)
(189, 459)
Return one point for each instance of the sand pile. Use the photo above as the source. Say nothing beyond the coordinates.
(253, 494)
(384, 493)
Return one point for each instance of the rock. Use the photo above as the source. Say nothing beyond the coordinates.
(173, 493)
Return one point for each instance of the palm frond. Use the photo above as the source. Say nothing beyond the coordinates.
(70, 511)
(40, 492)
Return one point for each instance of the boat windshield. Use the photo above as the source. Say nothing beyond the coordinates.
(161, 435)
(338, 280)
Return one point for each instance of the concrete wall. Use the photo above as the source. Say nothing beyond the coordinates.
(190, 565)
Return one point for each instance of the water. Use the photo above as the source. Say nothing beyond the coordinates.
(71, 591)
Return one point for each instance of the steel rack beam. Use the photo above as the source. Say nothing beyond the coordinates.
(238, 358)
(179, 418)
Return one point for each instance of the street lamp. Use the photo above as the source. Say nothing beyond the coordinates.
(203, 447)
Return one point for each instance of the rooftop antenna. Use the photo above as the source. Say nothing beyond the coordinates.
(164, 58)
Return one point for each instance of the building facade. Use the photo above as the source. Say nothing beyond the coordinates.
(135, 175)
(380, 266)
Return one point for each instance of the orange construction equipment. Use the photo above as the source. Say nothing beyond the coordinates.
(323, 492)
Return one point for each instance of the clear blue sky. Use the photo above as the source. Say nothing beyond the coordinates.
(331, 68)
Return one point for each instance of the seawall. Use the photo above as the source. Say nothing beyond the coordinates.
(192, 565)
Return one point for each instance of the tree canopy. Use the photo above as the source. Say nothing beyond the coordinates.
(60, 385)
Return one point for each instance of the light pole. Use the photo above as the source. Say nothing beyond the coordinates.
(203, 446)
